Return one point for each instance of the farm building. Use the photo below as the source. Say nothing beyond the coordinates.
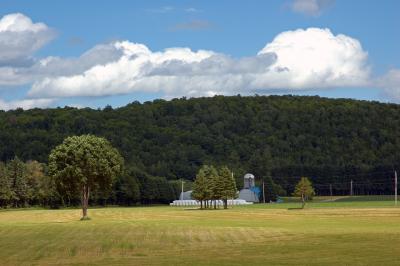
(249, 193)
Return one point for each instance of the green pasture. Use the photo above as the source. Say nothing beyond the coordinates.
(325, 233)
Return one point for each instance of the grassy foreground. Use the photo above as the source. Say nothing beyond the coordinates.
(331, 233)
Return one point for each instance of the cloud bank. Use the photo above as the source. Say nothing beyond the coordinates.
(294, 60)
(302, 59)
(25, 104)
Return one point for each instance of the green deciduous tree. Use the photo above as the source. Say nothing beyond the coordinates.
(83, 163)
(6, 194)
(127, 189)
(304, 190)
(47, 194)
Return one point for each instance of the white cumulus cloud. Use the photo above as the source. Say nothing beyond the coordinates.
(301, 59)
(20, 38)
(54, 66)
(316, 58)
(25, 104)
(294, 60)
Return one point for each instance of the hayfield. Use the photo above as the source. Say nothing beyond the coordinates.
(325, 233)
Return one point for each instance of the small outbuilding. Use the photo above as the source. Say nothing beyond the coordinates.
(186, 195)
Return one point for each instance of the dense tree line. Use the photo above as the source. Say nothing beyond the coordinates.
(25, 184)
(332, 141)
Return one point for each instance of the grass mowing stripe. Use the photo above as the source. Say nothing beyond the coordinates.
(252, 235)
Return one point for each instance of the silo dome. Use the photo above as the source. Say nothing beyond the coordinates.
(249, 176)
(249, 180)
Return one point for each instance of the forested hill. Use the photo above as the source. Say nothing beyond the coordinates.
(284, 136)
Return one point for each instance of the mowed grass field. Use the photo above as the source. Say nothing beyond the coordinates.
(325, 233)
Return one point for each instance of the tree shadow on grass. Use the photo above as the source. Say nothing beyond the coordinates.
(198, 209)
(192, 209)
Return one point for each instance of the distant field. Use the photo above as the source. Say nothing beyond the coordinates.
(326, 233)
(389, 199)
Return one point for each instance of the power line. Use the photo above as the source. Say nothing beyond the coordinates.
(333, 176)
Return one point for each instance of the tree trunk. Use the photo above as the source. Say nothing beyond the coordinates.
(225, 204)
(201, 204)
(303, 201)
(85, 201)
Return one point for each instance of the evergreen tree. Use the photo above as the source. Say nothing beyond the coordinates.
(201, 188)
(229, 190)
(127, 190)
(215, 185)
(165, 190)
(19, 184)
(304, 190)
(149, 189)
(269, 189)
(34, 175)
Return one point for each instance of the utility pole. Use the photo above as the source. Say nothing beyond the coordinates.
(235, 181)
(263, 192)
(395, 188)
(351, 188)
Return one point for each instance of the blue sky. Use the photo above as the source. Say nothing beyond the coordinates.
(230, 30)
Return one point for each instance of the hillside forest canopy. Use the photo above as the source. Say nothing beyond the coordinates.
(277, 138)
